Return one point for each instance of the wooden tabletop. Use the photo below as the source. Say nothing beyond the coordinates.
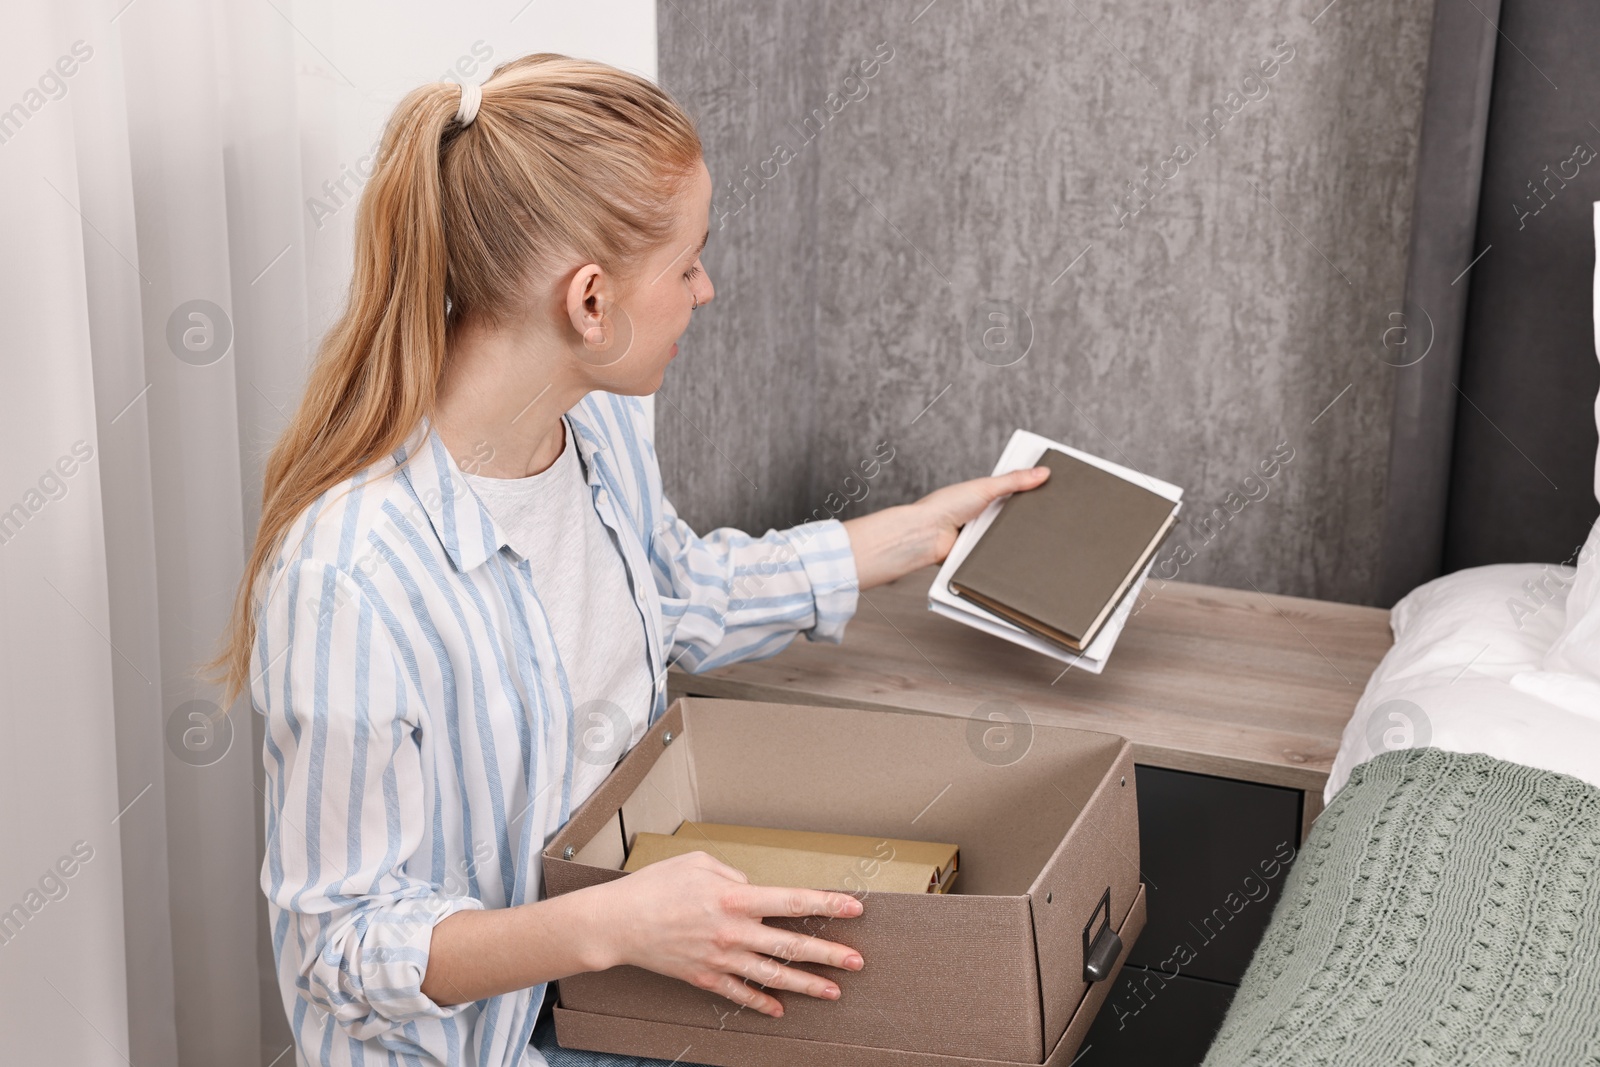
(1230, 682)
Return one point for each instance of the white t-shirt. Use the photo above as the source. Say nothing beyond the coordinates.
(550, 520)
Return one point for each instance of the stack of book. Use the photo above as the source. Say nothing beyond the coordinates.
(806, 858)
(1058, 568)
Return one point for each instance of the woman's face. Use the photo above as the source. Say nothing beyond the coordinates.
(646, 320)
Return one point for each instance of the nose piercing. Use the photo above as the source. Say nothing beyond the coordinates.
(695, 304)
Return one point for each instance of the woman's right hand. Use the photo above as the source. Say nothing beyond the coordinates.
(695, 918)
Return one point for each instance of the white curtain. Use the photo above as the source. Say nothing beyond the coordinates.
(176, 180)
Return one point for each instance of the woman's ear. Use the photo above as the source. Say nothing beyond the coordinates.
(589, 303)
(601, 324)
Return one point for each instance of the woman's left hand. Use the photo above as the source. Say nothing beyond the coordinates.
(896, 541)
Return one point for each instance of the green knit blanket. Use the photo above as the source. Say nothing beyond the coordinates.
(1444, 910)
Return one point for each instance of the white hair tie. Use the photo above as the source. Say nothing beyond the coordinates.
(471, 97)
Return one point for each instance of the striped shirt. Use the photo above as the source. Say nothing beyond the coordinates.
(420, 731)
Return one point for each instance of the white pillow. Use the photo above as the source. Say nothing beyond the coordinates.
(1501, 619)
(1576, 649)
(1467, 674)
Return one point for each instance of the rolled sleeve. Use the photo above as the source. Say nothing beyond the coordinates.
(830, 566)
(370, 962)
(728, 597)
(345, 806)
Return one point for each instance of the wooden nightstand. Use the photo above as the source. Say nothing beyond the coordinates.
(1234, 701)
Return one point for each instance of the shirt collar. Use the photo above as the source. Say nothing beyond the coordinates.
(463, 525)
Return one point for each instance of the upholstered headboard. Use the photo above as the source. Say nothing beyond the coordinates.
(1493, 444)
(1523, 439)
(1597, 343)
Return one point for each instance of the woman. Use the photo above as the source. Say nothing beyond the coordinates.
(467, 587)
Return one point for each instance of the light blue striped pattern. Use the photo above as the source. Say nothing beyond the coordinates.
(419, 738)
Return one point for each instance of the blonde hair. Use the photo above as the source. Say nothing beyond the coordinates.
(567, 161)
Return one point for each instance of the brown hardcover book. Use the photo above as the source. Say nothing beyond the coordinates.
(1058, 559)
(808, 859)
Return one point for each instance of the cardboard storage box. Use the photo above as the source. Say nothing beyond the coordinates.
(992, 972)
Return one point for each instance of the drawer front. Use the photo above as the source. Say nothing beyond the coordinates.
(1151, 1019)
(1214, 852)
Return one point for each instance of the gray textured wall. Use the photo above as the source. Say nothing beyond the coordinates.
(986, 167)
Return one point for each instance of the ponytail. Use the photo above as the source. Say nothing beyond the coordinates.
(566, 158)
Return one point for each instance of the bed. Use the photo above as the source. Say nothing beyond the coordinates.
(1445, 907)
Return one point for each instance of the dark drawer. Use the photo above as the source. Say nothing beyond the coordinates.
(1214, 852)
(1153, 1021)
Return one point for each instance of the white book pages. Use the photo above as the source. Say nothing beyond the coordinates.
(1022, 451)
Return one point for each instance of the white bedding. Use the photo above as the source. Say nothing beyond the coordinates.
(1483, 661)
(1464, 676)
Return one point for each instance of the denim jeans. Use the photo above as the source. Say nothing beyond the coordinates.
(544, 1039)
